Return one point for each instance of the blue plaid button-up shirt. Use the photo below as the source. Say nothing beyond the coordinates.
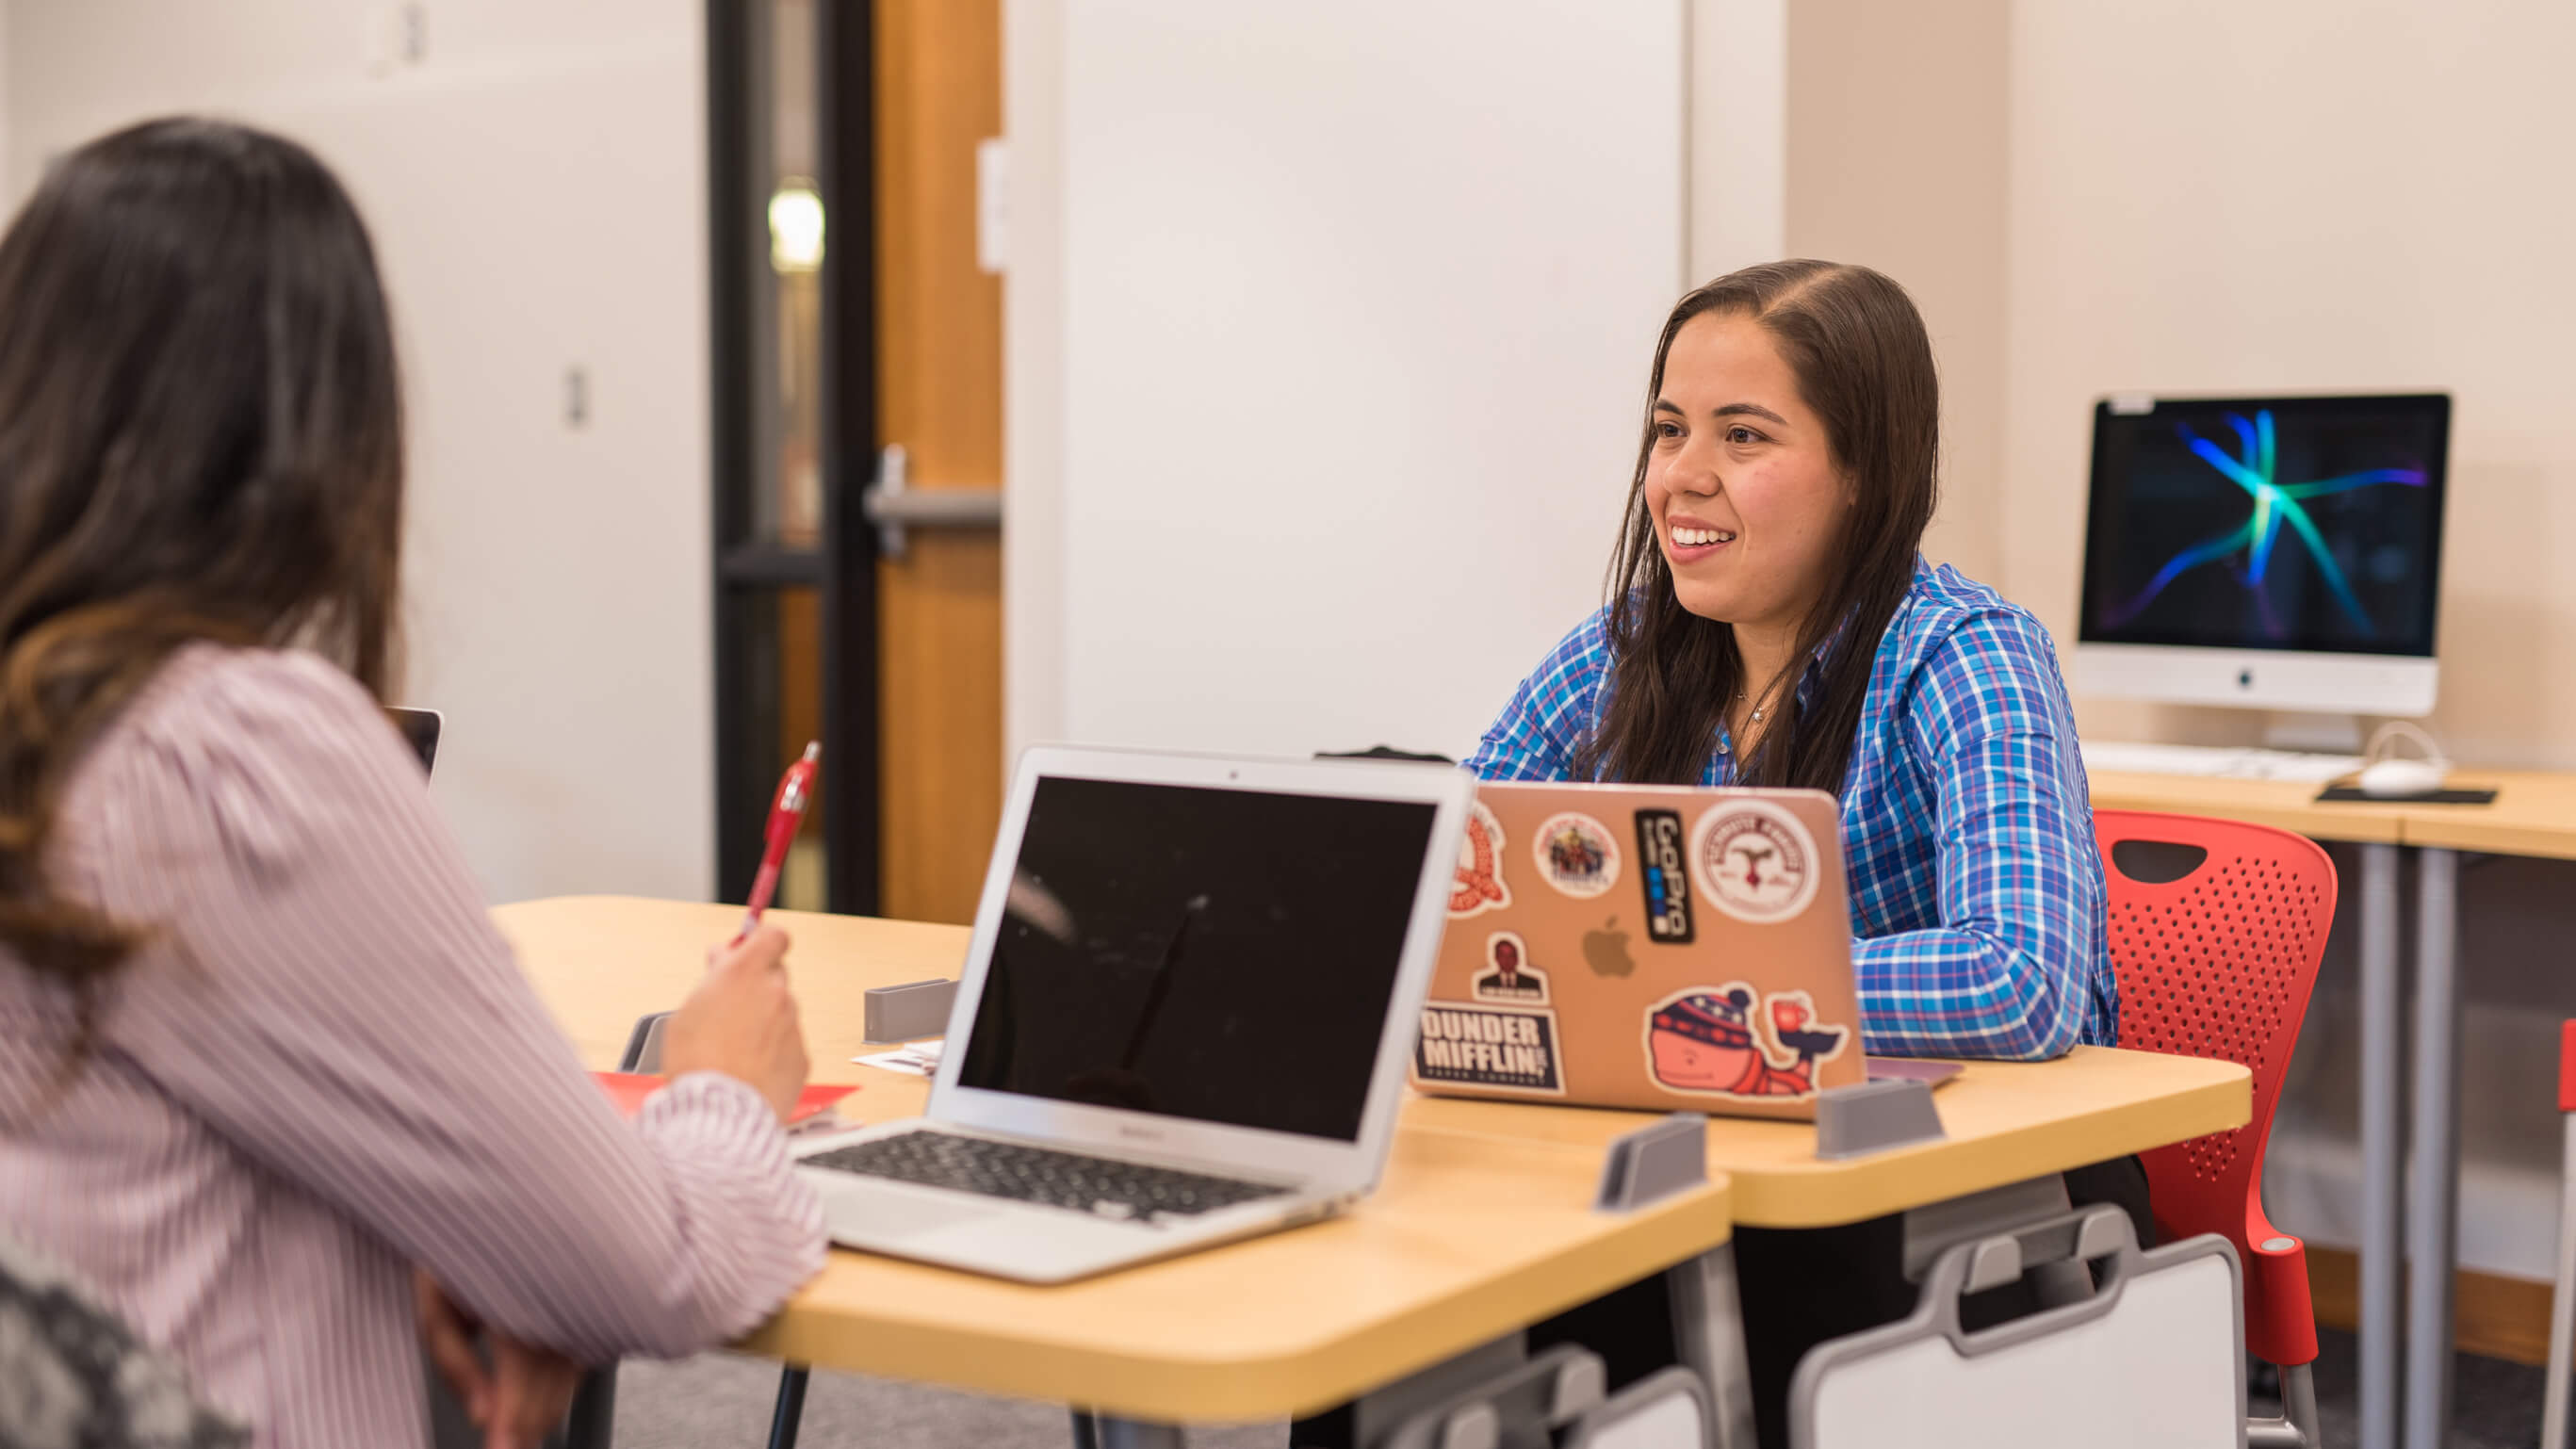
(1976, 884)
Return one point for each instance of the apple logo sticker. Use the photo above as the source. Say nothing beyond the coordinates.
(1606, 950)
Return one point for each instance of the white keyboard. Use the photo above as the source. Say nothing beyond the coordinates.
(2216, 762)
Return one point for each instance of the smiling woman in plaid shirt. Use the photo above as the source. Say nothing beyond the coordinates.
(1773, 622)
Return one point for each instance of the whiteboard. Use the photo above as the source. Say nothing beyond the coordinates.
(1358, 302)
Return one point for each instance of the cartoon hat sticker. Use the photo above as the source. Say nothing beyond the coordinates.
(1478, 885)
(1576, 854)
(1706, 1040)
(1755, 861)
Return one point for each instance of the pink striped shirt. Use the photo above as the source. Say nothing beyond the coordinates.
(326, 1068)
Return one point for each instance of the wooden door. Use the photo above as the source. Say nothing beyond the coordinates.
(938, 82)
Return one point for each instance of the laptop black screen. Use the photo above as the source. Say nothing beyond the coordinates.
(1222, 955)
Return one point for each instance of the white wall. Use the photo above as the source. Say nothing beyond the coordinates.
(1738, 168)
(2312, 196)
(1895, 152)
(1329, 326)
(2316, 195)
(535, 183)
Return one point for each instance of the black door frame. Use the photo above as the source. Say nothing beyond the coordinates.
(750, 571)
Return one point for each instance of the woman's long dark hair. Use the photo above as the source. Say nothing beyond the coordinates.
(1864, 366)
(200, 439)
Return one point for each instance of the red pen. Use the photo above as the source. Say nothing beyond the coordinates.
(785, 817)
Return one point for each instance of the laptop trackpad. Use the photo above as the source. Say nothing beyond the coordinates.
(890, 1217)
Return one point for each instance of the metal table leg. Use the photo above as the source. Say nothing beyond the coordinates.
(2383, 1154)
(2430, 1228)
(1115, 1433)
(787, 1415)
(2562, 1304)
(1708, 1337)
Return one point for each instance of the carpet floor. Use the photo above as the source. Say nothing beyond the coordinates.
(720, 1401)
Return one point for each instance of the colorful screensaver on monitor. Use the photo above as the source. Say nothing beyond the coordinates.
(2300, 524)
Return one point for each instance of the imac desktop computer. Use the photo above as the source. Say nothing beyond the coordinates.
(2265, 553)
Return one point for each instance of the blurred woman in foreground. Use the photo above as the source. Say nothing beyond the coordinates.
(269, 1079)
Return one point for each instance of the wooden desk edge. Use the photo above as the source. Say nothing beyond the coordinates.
(1150, 1382)
(1300, 1376)
(2522, 820)
(2470, 831)
(2370, 822)
(1936, 1171)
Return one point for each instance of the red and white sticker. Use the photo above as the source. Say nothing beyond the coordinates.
(1576, 854)
(1478, 885)
(1755, 861)
(1724, 1041)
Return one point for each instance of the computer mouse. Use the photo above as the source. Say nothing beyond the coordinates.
(2398, 779)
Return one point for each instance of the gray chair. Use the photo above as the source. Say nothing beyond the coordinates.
(73, 1375)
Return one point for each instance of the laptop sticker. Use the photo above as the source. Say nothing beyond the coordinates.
(1662, 869)
(1606, 950)
(1509, 976)
(1755, 861)
(1577, 855)
(1501, 1048)
(1709, 1040)
(1478, 885)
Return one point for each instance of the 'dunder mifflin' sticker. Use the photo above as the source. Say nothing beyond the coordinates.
(1504, 1048)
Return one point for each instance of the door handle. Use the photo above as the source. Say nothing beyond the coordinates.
(895, 507)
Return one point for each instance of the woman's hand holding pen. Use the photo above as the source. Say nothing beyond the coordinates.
(742, 1021)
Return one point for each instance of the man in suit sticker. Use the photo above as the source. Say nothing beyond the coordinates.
(1512, 977)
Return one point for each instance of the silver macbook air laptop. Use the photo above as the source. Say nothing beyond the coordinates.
(1185, 1014)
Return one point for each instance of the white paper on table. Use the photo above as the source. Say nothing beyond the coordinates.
(913, 1059)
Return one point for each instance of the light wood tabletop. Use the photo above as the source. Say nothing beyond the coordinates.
(1466, 1239)
(599, 962)
(2533, 813)
(2282, 804)
(2006, 1121)
(1482, 1221)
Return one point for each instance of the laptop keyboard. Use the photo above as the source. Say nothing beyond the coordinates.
(1039, 1175)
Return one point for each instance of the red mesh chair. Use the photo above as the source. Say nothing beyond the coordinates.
(2217, 928)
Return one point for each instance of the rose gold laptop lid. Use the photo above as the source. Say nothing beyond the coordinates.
(1648, 946)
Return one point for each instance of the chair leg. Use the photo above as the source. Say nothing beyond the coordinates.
(790, 1411)
(2562, 1302)
(592, 1421)
(2297, 1427)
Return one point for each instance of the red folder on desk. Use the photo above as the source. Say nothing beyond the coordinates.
(629, 1089)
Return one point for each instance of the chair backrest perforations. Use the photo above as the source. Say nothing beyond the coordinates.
(2219, 962)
